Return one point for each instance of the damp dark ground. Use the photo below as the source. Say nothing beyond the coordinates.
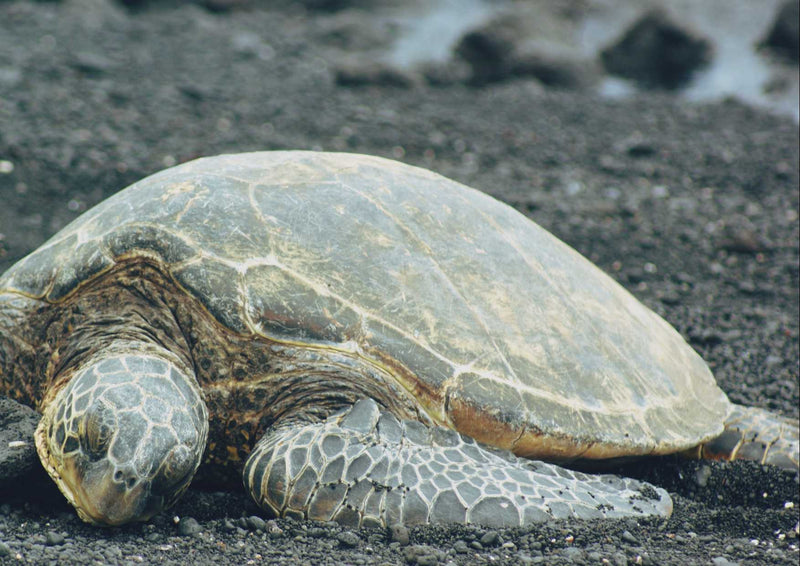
(694, 208)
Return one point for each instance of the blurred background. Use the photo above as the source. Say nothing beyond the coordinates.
(701, 50)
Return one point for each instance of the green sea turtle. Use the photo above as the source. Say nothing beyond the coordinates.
(362, 340)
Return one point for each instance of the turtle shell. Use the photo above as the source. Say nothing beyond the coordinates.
(496, 327)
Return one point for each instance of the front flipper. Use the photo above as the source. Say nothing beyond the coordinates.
(756, 434)
(364, 467)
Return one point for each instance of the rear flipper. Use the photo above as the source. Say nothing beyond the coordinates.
(756, 434)
(364, 467)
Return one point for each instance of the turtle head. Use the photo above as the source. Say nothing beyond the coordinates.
(124, 438)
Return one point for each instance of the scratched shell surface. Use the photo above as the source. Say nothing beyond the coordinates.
(503, 325)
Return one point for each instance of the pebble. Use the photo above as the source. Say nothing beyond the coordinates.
(228, 526)
(491, 538)
(573, 554)
(188, 526)
(256, 523)
(400, 533)
(423, 555)
(348, 539)
(702, 475)
(54, 539)
(629, 538)
(461, 547)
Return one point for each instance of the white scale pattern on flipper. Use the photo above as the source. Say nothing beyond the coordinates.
(364, 467)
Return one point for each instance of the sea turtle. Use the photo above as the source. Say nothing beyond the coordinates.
(362, 340)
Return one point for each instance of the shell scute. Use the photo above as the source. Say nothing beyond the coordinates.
(282, 304)
(136, 238)
(218, 287)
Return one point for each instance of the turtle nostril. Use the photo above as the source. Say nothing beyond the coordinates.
(129, 480)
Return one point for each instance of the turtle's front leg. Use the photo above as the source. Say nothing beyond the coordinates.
(364, 467)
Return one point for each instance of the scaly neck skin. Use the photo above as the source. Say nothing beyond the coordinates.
(41, 343)
(21, 348)
(127, 316)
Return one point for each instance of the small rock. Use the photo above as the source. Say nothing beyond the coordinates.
(91, 64)
(224, 5)
(256, 523)
(491, 538)
(488, 51)
(228, 526)
(17, 424)
(629, 538)
(748, 286)
(554, 70)
(701, 476)
(741, 237)
(784, 36)
(423, 555)
(188, 526)
(5, 550)
(574, 555)
(461, 547)
(348, 539)
(400, 533)
(54, 539)
(637, 146)
(373, 73)
(722, 561)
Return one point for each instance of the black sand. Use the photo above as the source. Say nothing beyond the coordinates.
(692, 207)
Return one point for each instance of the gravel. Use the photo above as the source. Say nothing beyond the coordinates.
(694, 208)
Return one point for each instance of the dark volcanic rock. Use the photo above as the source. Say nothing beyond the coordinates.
(17, 451)
(489, 52)
(505, 48)
(657, 53)
(784, 36)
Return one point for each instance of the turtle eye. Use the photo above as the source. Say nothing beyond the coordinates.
(98, 432)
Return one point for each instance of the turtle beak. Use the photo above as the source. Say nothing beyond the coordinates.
(114, 497)
(101, 494)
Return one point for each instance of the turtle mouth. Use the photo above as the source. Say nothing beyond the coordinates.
(111, 502)
(48, 461)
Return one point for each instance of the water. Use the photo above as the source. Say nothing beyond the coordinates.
(431, 29)
(734, 29)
